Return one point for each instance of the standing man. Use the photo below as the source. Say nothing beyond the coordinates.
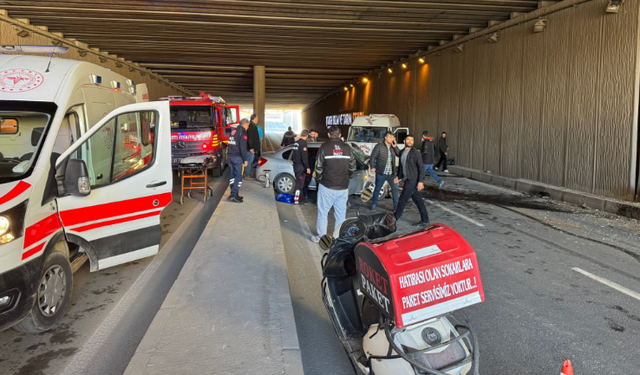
(237, 153)
(444, 152)
(253, 145)
(383, 164)
(288, 138)
(334, 166)
(429, 156)
(301, 165)
(411, 172)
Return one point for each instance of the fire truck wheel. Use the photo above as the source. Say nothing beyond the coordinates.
(53, 295)
(217, 171)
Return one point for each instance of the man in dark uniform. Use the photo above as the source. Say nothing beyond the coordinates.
(301, 165)
(411, 171)
(237, 153)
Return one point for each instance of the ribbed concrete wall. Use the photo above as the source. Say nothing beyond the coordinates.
(558, 107)
(157, 89)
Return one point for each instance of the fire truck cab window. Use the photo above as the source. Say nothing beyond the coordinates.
(189, 117)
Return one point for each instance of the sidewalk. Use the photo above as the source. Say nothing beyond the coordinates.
(229, 311)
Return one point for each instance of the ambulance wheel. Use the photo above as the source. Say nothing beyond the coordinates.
(52, 297)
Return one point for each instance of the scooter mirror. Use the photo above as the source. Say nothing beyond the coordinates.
(326, 242)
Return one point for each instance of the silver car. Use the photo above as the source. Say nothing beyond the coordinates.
(279, 166)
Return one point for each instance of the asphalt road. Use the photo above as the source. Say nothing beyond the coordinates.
(111, 309)
(560, 281)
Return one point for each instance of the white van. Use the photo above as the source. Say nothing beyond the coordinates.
(367, 131)
(84, 174)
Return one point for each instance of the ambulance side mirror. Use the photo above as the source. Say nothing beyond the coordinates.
(326, 242)
(76, 178)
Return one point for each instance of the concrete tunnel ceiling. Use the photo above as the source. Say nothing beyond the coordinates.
(309, 47)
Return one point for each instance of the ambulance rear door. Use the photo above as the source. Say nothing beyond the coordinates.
(126, 160)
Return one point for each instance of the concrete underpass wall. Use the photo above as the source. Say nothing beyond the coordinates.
(157, 89)
(559, 107)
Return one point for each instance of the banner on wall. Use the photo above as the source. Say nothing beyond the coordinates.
(345, 119)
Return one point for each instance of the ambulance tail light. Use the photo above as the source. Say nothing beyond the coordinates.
(262, 162)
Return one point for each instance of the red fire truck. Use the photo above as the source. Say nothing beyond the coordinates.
(201, 126)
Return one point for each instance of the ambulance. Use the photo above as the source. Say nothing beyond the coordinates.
(85, 171)
(367, 131)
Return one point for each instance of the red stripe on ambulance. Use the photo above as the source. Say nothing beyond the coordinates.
(41, 230)
(20, 188)
(116, 221)
(109, 210)
(33, 251)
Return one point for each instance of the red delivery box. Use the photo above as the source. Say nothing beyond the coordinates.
(420, 275)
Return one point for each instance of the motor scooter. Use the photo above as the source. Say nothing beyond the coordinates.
(442, 345)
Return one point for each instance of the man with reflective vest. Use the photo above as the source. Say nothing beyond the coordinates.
(237, 153)
(301, 165)
(334, 166)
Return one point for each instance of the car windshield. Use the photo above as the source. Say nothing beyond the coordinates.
(370, 134)
(191, 117)
(362, 158)
(23, 127)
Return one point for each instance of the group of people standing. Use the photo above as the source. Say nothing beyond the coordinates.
(336, 163)
(244, 149)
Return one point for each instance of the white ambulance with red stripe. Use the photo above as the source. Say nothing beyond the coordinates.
(85, 172)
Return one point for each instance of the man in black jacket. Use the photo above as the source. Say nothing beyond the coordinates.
(383, 164)
(237, 153)
(288, 138)
(301, 165)
(428, 152)
(334, 166)
(443, 149)
(411, 171)
(253, 146)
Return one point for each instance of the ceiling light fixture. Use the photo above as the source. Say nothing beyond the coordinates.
(614, 6)
(493, 38)
(421, 60)
(540, 25)
(365, 80)
(458, 48)
(389, 70)
(404, 66)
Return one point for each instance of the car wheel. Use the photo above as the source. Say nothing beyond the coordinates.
(52, 297)
(284, 183)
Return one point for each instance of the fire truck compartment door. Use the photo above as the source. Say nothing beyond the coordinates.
(128, 158)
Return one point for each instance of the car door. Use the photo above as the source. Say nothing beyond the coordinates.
(128, 159)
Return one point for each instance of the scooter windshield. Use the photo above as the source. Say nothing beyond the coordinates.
(23, 129)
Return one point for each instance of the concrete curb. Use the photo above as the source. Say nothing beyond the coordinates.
(610, 205)
(291, 354)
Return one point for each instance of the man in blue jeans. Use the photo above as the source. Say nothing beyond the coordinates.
(383, 164)
(334, 166)
(429, 156)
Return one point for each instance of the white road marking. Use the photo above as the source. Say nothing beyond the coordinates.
(608, 283)
(459, 215)
(313, 247)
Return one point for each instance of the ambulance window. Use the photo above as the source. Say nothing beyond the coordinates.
(134, 143)
(8, 126)
(97, 153)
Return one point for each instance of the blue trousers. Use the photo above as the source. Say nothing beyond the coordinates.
(235, 165)
(380, 180)
(429, 168)
(247, 170)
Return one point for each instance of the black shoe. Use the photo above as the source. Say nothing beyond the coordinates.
(421, 224)
(235, 199)
(240, 197)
